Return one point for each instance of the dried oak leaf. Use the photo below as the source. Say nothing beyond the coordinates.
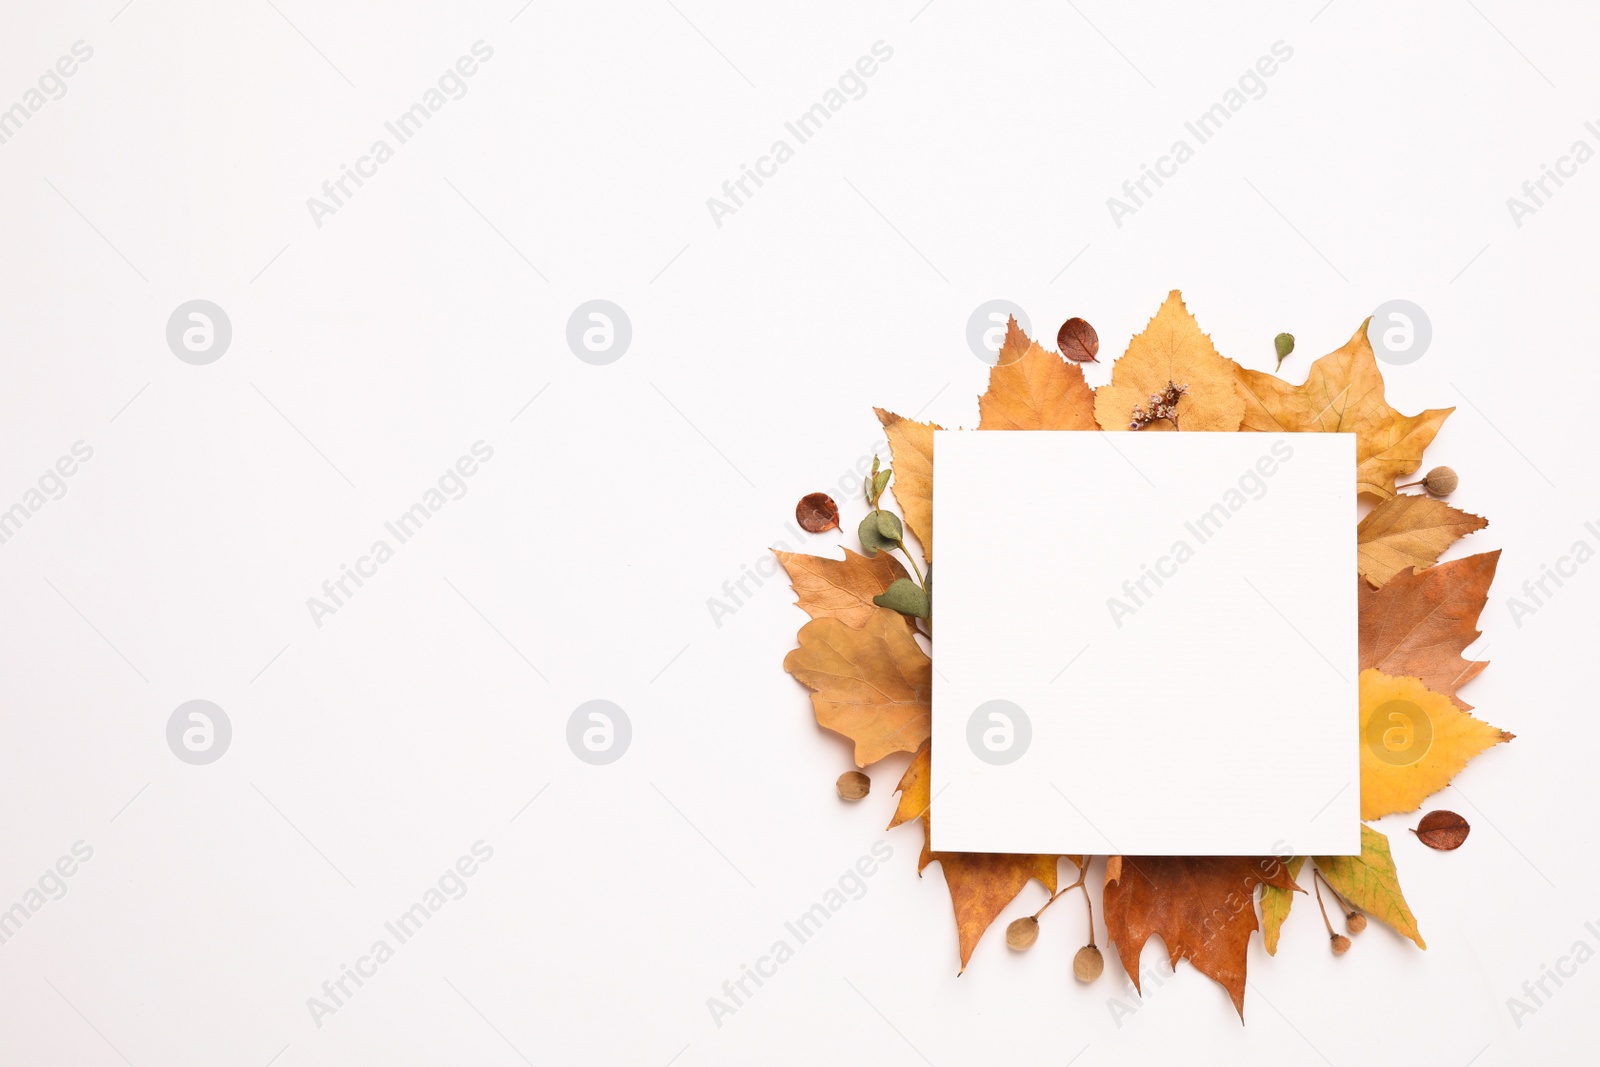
(1275, 904)
(1442, 830)
(840, 589)
(911, 447)
(1343, 393)
(1203, 907)
(1078, 341)
(1413, 741)
(1369, 882)
(981, 884)
(1034, 389)
(872, 684)
(1420, 621)
(817, 513)
(1408, 531)
(1172, 349)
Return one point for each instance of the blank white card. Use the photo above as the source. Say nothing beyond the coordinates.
(1145, 643)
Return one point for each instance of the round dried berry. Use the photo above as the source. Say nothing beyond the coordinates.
(1441, 481)
(853, 785)
(1087, 964)
(1355, 922)
(1022, 933)
(1341, 944)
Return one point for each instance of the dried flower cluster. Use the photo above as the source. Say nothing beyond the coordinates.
(1163, 405)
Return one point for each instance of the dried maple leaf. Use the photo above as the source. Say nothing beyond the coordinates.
(911, 446)
(1343, 393)
(840, 589)
(1420, 621)
(1408, 531)
(1172, 349)
(1369, 882)
(1275, 904)
(981, 884)
(1413, 741)
(1203, 907)
(1034, 389)
(872, 683)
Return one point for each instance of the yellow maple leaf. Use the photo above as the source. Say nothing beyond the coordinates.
(1343, 393)
(1172, 349)
(1413, 741)
(1408, 531)
(911, 445)
(1031, 388)
(872, 684)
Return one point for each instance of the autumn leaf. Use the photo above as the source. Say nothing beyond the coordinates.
(1408, 531)
(1172, 349)
(1420, 621)
(1033, 389)
(1343, 393)
(1443, 831)
(840, 589)
(1203, 908)
(1413, 741)
(1078, 341)
(911, 446)
(871, 684)
(1275, 904)
(1369, 882)
(817, 513)
(980, 884)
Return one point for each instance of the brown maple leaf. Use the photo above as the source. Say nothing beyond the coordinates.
(911, 446)
(872, 684)
(1031, 388)
(841, 589)
(1419, 622)
(1203, 908)
(981, 884)
(1343, 393)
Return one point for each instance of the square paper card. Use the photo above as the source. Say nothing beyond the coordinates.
(1145, 644)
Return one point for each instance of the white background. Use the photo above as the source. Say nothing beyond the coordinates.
(371, 352)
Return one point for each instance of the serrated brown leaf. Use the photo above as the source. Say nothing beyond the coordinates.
(1408, 531)
(817, 513)
(911, 446)
(1202, 907)
(1033, 389)
(1172, 348)
(1442, 830)
(1343, 393)
(1419, 622)
(840, 589)
(871, 684)
(980, 884)
(1078, 341)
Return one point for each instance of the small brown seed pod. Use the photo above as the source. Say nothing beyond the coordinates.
(1441, 481)
(1355, 922)
(853, 785)
(1087, 964)
(1022, 933)
(1341, 944)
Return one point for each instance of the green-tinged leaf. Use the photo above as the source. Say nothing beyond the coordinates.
(904, 596)
(880, 482)
(889, 527)
(1275, 905)
(872, 540)
(1369, 882)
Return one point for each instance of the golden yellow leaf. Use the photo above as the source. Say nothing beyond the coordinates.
(1408, 531)
(840, 589)
(872, 684)
(1370, 882)
(1413, 741)
(1343, 393)
(914, 789)
(1275, 904)
(911, 446)
(1031, 388)
(1172, 348)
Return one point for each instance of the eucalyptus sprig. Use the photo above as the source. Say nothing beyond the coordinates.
(881, 531)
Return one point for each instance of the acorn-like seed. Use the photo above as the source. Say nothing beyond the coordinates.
(1355, 922)
(1087, 964)
(1441, 481)
(853, 785)
(1341, 944)
(1022, 933)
